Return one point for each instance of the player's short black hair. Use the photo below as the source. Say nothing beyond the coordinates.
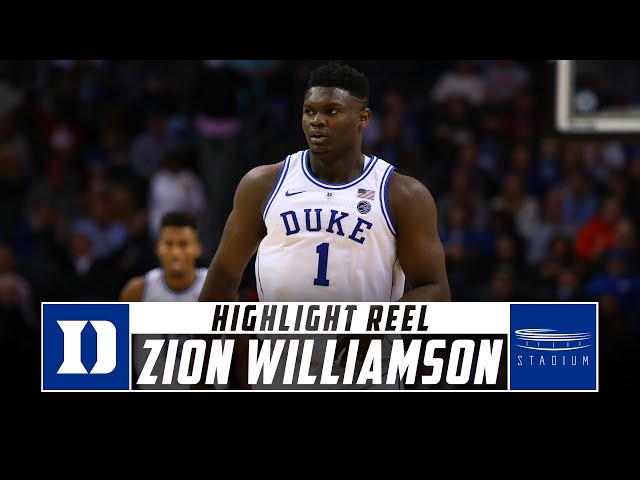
(341, 76)
(177, 218)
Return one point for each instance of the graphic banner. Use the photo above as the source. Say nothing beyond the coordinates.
(422, 347)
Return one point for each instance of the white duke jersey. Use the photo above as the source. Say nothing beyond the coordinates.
(329, 243)
(157, 290)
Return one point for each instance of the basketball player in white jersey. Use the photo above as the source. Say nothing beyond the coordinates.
(330, 224)
(178, 279)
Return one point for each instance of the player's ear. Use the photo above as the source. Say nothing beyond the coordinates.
(364, 116)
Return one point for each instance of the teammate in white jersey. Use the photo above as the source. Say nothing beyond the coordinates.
(330, 223)
(178, 279)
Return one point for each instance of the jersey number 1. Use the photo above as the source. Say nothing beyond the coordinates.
(323, 251)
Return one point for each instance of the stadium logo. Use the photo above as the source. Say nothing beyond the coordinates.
(550, 340)
(85, 347)
(553, 346)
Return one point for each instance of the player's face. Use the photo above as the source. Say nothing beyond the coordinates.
(178, 248)
(332, 120)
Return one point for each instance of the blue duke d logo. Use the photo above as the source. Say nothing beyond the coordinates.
(85, 347)
(553, 347)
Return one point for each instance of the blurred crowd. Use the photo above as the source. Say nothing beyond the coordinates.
(93, 152)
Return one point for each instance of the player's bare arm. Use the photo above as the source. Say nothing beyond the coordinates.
(420, 250)
(132, 291)
(241, 235)
(240, 240)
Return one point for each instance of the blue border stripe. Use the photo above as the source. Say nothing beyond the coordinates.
(276, 188)
(258, 270)
(383, 198)
(393, 279)
(341, 186)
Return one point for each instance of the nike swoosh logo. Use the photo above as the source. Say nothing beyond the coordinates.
(287, 194)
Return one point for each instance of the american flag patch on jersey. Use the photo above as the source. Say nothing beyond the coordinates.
(368, 194)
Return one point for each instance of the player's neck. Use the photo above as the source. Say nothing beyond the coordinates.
(337, 169)
(180, 283)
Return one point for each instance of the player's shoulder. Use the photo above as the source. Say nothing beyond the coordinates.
(410, 201)
(133, 289)
(258, 183)
(404, 190)
(266, 175)
(263, 174)
(269, 173)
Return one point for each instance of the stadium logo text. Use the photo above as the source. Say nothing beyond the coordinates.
(554, 346)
